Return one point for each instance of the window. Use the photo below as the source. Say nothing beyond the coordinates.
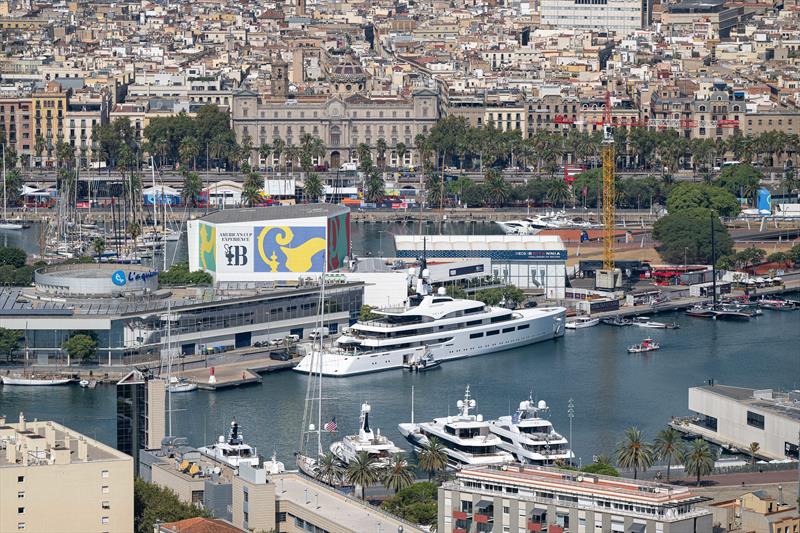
(524, 326)
(104, 520)
(105, 505)
(20, 510)
(20, 494)
(508, 330)
(20, 525)
(105, 489)
(104, 474)
(20, 479)
(755, 420)
(246, 496)
(476, 335)
(493, 332)
(280, 517)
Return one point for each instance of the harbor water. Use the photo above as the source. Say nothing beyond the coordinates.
(612, 389)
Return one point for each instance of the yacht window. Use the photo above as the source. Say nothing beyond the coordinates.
(493, 332)
(440, 300)
(499, 318)
(508, 330)
(474, 323)
(524, 326)
(476, 335)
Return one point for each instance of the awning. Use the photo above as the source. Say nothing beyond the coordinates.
(638, 528)
(484, 504)
(538, 511)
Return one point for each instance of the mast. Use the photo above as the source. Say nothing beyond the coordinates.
(412, 404)
(713, 264)
(320, 336)
(5, 202)
(169, 365)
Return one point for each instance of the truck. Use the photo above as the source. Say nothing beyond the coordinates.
(316, 332)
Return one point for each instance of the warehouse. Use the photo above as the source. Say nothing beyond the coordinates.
(530, 262)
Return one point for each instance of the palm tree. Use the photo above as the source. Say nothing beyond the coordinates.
(402, 150)
(421, 144)
(669, 446)
(99, 246)
(188, 150)
(397, 474)
(753, 449)
(251, 189)
(363, 471)
(329, 469)
(192, 187)
(313, 188)
(497, 187)
(264, 152)
(292, 153)
(218, 148)
(380, 147)
(38, 147)
(278, 146)
(375, 187)
(633, 452)
(750, 191)
(433, 459)
(558, 192)
(699, 461)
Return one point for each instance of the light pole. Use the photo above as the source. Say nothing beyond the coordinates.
(685, 248)
(571, 415)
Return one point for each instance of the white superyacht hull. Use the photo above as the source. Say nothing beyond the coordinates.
(534, 325)
(455, 458)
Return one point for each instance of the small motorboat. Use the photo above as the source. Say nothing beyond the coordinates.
(700, 311)
(88, 383)
(617, 321)
(181, 385)
(672, 325)
(9, 225)
(582, 322)
(646, 322)
(777, 304)
(647, 345)
(424, 362)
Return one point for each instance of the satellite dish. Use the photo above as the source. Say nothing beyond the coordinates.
(479, 418)
(460, 404)
(442, 291)
(472, 403)
(542, 404)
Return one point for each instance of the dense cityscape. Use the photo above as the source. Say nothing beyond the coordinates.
(463, 266)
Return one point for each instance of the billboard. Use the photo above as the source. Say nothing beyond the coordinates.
(289, 249)
(338, 241)
(207, 246)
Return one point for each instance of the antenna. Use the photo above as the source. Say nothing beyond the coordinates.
(412, 404)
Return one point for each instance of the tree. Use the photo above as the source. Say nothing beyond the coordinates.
(689, 232)
(81, 347)
(604, 469)
(313, 188)
(363, 471)
(668, 446)
(692, 195)
(699, 461)
(397, 474)
(753, 450)
(794, 253)
(380, 147)
(496, 187)
(558, 192)
(749, 256)
(365, 314)
(251, 189)
(737, 178)
(153, 503)
(417, 503)
(14, 257)
(189, 150)
(778, 257)
(433, 459)
(374, 187)
(402, 150)
(9, 341)
(99, 246)
(633, 452)
(192, 188)
(329, 469)
(179, 274)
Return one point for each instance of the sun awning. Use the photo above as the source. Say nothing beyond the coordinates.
(638, 528)
(538, 511)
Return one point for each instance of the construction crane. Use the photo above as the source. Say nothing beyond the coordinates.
(609, 189)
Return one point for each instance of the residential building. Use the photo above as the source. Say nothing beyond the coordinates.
(49, 111)
(57, 480)
(757, 512)
(525, 498)
(140, 414)
(738, 416)
(620, 16)
(198, 525)
(15, 119)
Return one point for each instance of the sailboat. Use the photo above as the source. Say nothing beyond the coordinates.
(307, 458)
(5, 223)
(31, 379)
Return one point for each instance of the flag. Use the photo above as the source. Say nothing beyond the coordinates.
(330, 427)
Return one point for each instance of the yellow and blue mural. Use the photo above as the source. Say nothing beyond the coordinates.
(289, 249)
(208, 247)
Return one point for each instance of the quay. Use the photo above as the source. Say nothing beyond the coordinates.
(237, 373)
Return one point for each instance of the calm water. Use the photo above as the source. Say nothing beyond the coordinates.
(611, 389)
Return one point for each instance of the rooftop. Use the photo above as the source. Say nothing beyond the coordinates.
(276, 212)
(782, 404)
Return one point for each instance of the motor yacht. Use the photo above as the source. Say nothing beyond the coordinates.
(449, 328)
(530, 437)
(646, 322)
(582, 322)
(467, 438)
(366, 440)
(232, 452)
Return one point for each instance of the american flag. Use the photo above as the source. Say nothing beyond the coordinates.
(330, 427)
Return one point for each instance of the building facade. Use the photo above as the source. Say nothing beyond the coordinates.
(141, 414)
(523, 499)
(620, 16)
(56, 480)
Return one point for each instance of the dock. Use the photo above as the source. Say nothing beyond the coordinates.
(235, 374)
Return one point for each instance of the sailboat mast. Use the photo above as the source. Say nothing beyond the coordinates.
(169, 364)
(5, 200)
(713, 263)
(320, 332)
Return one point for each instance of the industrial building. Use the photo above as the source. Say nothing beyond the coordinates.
(56, 480)
(738, 416)
(530, 262)
(526, 498)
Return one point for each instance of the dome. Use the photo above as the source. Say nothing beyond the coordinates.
(348, 69)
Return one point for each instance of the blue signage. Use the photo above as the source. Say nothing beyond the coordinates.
(119, 278)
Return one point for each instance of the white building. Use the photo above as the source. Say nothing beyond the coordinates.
(526, 261)
(740, 416)
(620, 16)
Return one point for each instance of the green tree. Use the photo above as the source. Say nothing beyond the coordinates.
(433, 459)
(380, 147)
(397, 474)
(80, 347)
(402, 150)
(375, 187)
(99, 246)
(179, 274)
(189, 150)
(749, 256)
(668, 446)
(604, 469)
(416, 503)
(365, 313)
(313, 188)
(14, 257)
(329, 469)
(363, 471)
(153, 504)
(753, 450)
(689, 232)
(778, 257)
(633, 452)
(9, 341)
(496, 187)
(192, 188)
(252, 191)
(558, 192)
(738, 178)
(698, 460)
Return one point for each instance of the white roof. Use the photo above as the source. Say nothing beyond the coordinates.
(479, 242)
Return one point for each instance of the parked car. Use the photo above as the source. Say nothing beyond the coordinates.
(279, 355)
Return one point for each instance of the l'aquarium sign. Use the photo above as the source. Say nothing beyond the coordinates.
(121, 278)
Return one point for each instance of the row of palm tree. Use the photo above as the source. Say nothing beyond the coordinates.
(636, 454)
(364, 470)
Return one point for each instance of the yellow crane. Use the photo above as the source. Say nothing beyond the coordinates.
(609, 192)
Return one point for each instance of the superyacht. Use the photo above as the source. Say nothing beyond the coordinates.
(467, 439)
(449, 328)
(232, 452)
(530, 437)
(376, 445)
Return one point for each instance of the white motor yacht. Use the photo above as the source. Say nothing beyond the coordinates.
(449, 328)
(582, 322)
(467, 438)
(375, 444)
(530, 437)
(233, 451)
(646, 322)
(518, 227)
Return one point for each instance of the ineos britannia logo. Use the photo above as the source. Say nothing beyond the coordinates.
(236, 255)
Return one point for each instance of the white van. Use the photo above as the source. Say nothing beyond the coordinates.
(348, 167)
(315, 333)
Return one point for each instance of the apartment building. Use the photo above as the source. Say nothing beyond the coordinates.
(49, 111)
(15, 119)
(524, 498)
(57, 480)
(86, 110)
(620, 16)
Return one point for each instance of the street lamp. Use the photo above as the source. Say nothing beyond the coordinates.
(685, 248)
(571, 415)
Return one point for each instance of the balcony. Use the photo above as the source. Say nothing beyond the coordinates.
(459, 515)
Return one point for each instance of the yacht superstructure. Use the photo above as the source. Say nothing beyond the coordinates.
(234, 451)
(467, 438)
(450, 328)
(530, 437)
(366, 440)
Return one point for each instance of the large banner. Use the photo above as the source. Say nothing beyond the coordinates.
(289, 249)
(338, 241)
(208, 247)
